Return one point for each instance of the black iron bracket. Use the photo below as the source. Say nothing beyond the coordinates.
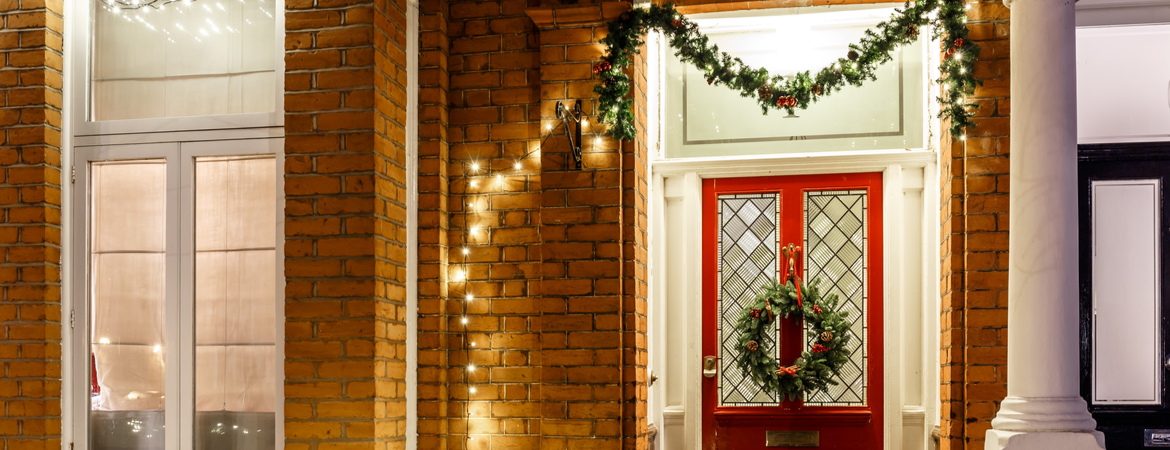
(575, 116)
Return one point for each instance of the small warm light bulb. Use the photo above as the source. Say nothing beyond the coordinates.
(963, 70)
(474, 230)
(517, 165)
(499, 177)
(548, 126)
(157, 348)
(470, 297)
(474, 183)
(458, 275)
(945, 86)
(466, 250)
(968, 6)
(104, 341)
(472, 390)
(958, 56)
(471, 367)
(475, 166)
(963, 137)
(473, 344)
(464, 320)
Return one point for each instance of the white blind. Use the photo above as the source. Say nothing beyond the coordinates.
(190, 58)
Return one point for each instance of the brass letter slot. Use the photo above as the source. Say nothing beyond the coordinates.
(793, 439)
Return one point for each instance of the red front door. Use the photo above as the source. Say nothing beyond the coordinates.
(837, 220)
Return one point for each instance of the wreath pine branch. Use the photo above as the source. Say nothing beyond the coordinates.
(827, 327)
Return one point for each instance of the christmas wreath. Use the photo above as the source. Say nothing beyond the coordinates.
(947, 17)
(827, 329)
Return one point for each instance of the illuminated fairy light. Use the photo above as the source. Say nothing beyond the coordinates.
(472, 174)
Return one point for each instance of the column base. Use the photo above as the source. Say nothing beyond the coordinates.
(1043, 440)
(1057, 423)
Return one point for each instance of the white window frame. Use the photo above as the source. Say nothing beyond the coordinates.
(122, 139)
(180, 251)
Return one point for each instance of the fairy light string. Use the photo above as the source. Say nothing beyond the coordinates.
(480, 181)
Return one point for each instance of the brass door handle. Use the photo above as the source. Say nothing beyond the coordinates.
(709, 366)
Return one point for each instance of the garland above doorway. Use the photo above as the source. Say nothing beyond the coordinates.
(802, 90)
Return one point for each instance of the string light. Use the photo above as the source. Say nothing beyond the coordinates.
(472, 175)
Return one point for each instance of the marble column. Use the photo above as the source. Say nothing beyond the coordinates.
(1043, 408)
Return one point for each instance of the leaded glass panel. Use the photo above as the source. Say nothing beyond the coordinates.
(835, 236)
(748, 243)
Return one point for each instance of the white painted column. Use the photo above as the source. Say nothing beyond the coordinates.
(1043, 409)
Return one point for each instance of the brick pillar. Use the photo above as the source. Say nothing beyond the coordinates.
(30, 195)
(593, 288)
(974, 254)
(345, 216)
(434, 224)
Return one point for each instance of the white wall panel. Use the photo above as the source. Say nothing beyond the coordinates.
(1123, 90)
(1126, 358)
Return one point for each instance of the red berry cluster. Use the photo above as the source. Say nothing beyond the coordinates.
(818, 348)
(755, 313)
(790, 370)
(786, 100)
(817, 309)
(602, 67)
(676, 23)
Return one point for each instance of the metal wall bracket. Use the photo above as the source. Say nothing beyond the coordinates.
(577, 118)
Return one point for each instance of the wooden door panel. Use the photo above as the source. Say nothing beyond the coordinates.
(837, 219)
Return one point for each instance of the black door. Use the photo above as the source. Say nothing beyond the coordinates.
(1124, 328)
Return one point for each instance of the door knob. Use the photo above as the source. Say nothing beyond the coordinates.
(709, 367)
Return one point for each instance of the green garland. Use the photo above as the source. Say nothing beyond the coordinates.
(799, 92)
(827, 328)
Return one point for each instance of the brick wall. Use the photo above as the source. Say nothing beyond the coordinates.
(433, 223)
(30, 238)
(494, 215)
(345, 242)
(974, 219)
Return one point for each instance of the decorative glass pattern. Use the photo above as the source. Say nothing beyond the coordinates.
(748, 244)
(835, 236)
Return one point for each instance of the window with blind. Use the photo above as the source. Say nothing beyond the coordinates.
(180, 297)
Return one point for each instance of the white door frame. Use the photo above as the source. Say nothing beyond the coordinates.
(910, 285)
